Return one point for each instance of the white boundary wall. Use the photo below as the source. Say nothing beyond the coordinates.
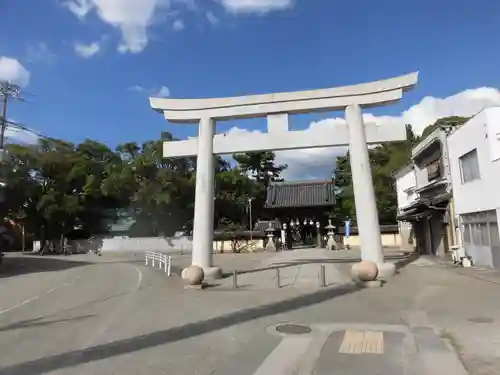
(126, 244)
(157, 244)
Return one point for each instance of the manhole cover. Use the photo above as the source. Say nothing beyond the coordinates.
(481, 320)
(293, 329)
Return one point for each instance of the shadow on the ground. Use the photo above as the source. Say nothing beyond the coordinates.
(20, 265)
(407, 260)
(40, 322)
(116, 348)
(399, 258)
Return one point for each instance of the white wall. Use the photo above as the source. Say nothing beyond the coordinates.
(125, 244)
(480, 133)
(406, 181)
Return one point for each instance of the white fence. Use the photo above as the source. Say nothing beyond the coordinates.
(126, 244)
(162, 261)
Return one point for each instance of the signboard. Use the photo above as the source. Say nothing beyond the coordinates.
(434, 170)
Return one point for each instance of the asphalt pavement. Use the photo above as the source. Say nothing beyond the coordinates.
(104, 315)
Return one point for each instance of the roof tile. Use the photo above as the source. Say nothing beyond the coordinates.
(300, 194)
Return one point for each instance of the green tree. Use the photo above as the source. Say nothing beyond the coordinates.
(262, 168)
(445, 122)
(385, 159)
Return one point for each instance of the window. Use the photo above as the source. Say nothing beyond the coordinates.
(469, 166)
(409, 193)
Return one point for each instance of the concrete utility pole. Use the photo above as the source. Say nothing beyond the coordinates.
(7, 90)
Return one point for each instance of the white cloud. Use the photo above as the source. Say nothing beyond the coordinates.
(178, 25)
(87, 50)
(161, 92)
(12, 70)
(131, 17)
(255, 6)
(40, 52)
(318, 163)
(137, 88)
(465, 103)
(14, 135)
(212, 19)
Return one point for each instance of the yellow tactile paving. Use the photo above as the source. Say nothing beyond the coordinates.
(358, 342)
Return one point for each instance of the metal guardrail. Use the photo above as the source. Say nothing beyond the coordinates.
(162, 261)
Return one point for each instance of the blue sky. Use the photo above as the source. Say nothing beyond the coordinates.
(210, 48)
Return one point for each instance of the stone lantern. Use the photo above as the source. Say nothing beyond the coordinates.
(330, 244)
(270, 246)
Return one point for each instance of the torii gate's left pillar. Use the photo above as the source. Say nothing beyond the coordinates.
(203, 226)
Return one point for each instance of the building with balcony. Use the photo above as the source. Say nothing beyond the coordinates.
(424, 196)
(474, 154)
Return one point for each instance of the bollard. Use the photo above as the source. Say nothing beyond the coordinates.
(169, 267)
(278, 282)
(322, 277)
(235, 280)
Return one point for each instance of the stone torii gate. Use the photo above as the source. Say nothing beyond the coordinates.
(276, 107)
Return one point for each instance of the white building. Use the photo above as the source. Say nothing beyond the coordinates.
(406, 184)
(474, 152)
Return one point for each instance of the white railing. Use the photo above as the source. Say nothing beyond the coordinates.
(162, 261)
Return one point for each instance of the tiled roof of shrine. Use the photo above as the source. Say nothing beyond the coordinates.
(300, 194)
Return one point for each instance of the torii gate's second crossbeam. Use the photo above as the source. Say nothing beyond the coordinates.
(277, 107)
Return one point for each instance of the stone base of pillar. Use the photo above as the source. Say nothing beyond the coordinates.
(386, 270)
(331, 244)
(369, 284)
(212, 273)
(271, 247)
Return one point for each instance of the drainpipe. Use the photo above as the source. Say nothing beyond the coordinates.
(452, 222)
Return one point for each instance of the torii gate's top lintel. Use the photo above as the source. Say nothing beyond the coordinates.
(365, 94)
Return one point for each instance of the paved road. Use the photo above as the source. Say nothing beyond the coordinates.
(72, 305)
(90, 315)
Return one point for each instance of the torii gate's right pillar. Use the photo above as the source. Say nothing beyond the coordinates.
(364, 192)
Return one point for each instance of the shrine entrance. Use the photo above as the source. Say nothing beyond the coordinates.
(277, 107)
(303, 209)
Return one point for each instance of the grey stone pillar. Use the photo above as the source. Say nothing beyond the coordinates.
(203, 226)
(364, 193)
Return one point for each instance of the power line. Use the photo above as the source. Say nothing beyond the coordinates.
(20, 128)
